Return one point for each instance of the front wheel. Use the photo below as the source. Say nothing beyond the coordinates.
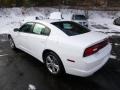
(53, 64)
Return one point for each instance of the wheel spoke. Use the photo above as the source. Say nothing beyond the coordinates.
(56, 67)
(48, 65)
(53, 69)
(49, 59)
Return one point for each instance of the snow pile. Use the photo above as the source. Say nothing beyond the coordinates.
(55, 15)
(31, 87)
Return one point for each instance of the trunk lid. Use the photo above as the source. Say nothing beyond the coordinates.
(88, 39)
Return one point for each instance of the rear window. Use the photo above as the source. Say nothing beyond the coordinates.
(71, 28)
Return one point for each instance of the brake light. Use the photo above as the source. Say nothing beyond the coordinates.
(95, 48)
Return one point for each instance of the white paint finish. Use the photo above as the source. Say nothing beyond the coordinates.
(66, 47)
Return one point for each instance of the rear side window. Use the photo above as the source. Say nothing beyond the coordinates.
(38, 28)
(41, 30)
(71, 28)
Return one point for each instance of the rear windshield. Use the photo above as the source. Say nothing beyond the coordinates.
(71, 28)
(80, 17)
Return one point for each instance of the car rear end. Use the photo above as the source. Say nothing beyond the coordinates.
(92, 59)
(96, 56)
(83, 52)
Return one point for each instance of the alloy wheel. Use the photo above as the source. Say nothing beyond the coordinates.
(52, 64)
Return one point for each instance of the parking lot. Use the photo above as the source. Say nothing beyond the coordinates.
(18, 70)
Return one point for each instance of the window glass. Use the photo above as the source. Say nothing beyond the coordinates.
(67, 26)
(71, 28)
(41, 29)
(45, 31)
(26, 27)
(38, 28)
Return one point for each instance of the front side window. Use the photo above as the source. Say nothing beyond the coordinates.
(26, 27)
(41, 30)
(71, 28)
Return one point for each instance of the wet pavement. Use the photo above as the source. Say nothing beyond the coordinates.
(18, 70)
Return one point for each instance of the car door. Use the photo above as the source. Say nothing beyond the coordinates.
(39, 36)
(24, 36)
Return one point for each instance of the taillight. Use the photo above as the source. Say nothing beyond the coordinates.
(95, 48)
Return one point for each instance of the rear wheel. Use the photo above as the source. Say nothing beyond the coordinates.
(53, 64)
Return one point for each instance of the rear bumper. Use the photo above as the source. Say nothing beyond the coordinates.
(90, 65)
(85, 73)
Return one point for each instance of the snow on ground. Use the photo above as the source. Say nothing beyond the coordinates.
(11, 18)
(31, 87)
(113, 57)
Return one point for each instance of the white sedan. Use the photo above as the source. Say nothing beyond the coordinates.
(63, 46)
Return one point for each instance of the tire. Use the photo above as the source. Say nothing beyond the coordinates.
(12, 44)
(53, 64)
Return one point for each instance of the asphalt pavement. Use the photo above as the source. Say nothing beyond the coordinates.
(18, 71)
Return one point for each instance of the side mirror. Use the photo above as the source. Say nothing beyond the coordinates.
(16, 30)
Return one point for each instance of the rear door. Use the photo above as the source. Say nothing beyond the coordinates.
(38, 39)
